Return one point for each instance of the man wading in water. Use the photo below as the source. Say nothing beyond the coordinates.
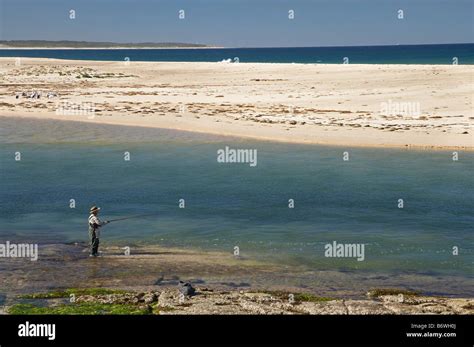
(94, 230)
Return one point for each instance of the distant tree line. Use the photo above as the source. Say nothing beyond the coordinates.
(86, 44)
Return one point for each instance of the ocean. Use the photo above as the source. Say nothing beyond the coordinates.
(403, 54)
(231, 204)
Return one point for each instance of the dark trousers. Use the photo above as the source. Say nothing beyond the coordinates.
(94, 244)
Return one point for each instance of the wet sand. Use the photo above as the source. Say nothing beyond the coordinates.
(152, 267)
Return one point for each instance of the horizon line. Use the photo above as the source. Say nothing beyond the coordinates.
(231, 47)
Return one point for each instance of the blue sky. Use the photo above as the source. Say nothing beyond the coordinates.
(241, 23)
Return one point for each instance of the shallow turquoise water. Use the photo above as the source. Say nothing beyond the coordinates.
(230, 205)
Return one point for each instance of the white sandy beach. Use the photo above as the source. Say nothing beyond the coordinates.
(348, 105)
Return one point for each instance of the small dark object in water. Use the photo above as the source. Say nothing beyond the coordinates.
(186, 288)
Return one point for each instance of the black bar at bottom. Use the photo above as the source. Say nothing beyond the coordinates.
(224, 330)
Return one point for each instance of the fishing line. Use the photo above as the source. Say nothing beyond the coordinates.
(137, 216)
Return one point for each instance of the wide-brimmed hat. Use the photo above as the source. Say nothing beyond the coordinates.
(94, 209)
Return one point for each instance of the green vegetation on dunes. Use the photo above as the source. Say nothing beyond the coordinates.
(87, 44)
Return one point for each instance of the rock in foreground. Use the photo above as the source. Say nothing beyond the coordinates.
(208, 301)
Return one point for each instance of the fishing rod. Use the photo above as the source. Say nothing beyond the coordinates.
(136, 216)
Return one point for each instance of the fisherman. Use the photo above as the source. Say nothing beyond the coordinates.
(94, 230)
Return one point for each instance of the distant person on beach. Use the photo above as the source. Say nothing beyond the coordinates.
(94, 230)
